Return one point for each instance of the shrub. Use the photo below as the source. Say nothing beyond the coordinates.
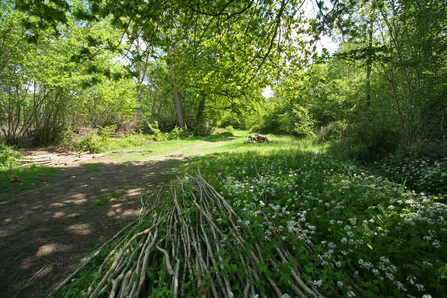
(369, 141)
(158, 135)
(90, 142)
(8, 156)
(108, 131)
(230, 119)
(255, 128)
(66, 138)
(333, 131)
(174, 134)
(230, 130)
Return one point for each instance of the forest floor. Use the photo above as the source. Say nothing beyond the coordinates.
(45, 231)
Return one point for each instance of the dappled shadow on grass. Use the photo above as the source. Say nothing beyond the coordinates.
(32, 176)
(46, 230)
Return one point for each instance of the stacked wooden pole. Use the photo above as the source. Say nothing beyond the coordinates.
(256, 138)
(63, 159)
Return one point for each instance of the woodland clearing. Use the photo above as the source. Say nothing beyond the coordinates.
(285, 217)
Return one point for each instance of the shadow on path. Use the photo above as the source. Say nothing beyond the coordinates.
(48, 229)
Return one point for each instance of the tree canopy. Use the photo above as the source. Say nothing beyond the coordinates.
(208, 61)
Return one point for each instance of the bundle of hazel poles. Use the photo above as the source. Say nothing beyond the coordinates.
(192, 243)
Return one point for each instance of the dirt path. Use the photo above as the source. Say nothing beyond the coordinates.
(48, 229)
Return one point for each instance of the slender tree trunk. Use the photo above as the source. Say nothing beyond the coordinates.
(141, 69)
(138, 111)
(201, 110)
(368, 70)
(179, 108)
(177, 97)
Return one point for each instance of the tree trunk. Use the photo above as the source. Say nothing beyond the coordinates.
(179, 108)
(200, 111)
(368, 69)
(177, 97)
(139, 96)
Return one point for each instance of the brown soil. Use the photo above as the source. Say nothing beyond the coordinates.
(45, 231)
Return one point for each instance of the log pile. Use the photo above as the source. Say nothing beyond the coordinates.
(57, 159)
(256, 138)
(63, 159)
(188, 244)
(130, 152)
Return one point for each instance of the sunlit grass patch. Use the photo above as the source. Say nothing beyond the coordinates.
(278, 143)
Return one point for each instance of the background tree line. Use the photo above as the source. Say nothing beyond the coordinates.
(105, 63)
(201, 64)
(47, 86)
(386, 85)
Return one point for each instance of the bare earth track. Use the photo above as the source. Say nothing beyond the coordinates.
(45, 231)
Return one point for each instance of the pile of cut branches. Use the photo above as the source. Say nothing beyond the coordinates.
(192, 243)
(57, 159)
(63, 159)
(256, 138)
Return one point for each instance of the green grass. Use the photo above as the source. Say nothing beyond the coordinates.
(91, 168)
(32, 176)
(104, 143)
(102, 202)
(215, 143)
(38, 174)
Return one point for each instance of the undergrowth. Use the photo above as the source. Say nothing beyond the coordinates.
(387, 239)
(417, 172)
(8, 156)
(104, 139)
